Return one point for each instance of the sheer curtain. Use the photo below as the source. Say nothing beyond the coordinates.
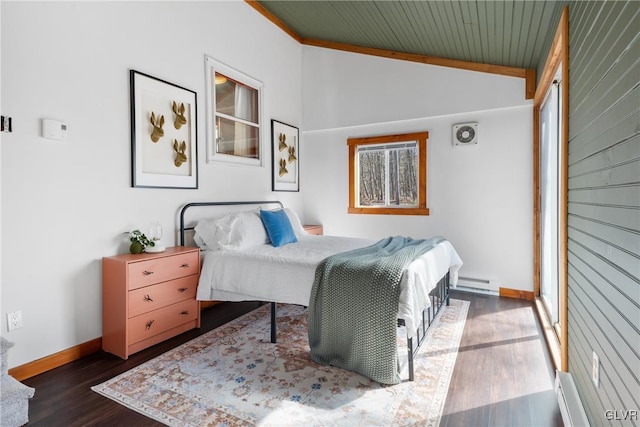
(243, 106)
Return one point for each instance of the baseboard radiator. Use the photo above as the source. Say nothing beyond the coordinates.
(571, 408)
(478, 285)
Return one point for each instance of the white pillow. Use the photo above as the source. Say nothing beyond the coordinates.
(245, 231)
(205, 234)
(298, 229)
(234, 231)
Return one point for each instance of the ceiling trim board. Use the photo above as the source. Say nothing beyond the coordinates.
(424, 59)
(271, 17)
(530, 84)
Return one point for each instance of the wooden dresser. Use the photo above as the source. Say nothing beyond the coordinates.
(313, 229)
(148, 298)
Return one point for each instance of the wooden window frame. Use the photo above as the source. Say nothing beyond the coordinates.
(421, 139)
(558, 57)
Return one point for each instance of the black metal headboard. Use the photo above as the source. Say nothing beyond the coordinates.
(202, 204)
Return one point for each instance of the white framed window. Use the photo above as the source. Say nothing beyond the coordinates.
(234, 115)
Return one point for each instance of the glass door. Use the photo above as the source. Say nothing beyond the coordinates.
(550, 172)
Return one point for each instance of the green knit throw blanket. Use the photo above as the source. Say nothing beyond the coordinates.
(353, 308)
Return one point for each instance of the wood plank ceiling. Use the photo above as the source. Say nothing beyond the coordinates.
(509, 33)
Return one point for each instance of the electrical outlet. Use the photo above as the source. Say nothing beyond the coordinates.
(595, 370)
(14, 320)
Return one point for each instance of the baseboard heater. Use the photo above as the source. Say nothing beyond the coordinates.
(473, 284)
(569, 401)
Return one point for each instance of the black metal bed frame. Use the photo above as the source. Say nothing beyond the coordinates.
(184, 209)
(439, 295)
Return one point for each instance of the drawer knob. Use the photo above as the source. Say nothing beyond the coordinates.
(147, 273)
(149, 323)
(185, 313)
(182, 289)
(185, 265)
(148, 298)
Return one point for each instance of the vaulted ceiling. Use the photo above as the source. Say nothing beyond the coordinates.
(505, 33)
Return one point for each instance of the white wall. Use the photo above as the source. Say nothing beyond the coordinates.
(479, 197)
(66, 203)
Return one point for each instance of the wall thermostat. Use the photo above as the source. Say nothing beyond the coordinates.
(54, 129)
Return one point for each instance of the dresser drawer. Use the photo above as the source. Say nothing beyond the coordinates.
(149, 272)
(155, 322)
(149, 298)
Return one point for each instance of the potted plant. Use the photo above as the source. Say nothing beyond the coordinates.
(139, 242)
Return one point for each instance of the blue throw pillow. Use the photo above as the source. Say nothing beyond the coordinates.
(278, 227)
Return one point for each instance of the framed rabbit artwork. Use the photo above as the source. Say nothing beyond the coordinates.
(163, 134)
(285, 143)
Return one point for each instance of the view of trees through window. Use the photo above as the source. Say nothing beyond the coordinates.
(388, 175)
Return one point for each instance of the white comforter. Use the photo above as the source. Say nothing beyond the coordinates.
(285, 274)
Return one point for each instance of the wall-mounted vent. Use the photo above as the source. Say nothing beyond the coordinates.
(465, 134)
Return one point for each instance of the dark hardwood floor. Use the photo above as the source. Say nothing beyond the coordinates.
(502, 377)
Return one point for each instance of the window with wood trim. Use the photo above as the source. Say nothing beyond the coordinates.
(388, 174)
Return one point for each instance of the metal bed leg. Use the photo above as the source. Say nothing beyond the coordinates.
(273, 322)
(410, 350)
(424, 324)
(448, 288)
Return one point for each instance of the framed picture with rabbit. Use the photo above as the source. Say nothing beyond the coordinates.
(163, 134)
(285, 142)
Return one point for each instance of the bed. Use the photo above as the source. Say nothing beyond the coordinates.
(240, 264)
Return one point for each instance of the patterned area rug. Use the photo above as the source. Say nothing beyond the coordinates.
(234, 376)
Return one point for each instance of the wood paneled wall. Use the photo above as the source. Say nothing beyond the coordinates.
(604, 205)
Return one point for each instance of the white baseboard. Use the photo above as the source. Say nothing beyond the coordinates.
(571, 408)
